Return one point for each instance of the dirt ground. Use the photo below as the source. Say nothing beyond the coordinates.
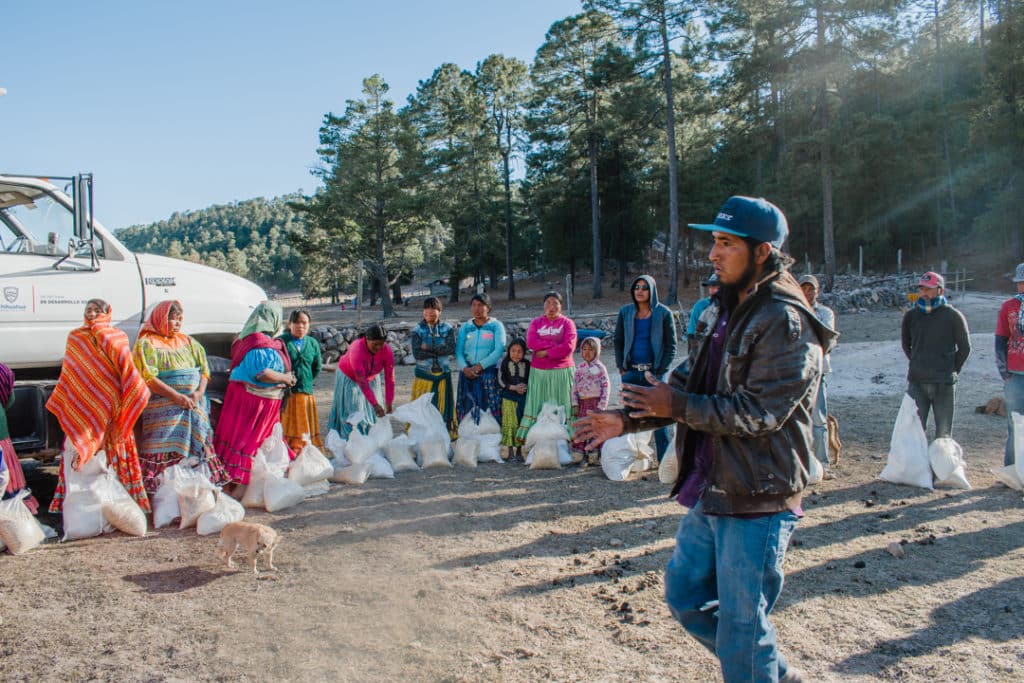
(506, 574)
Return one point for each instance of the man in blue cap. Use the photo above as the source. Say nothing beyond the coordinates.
(743, 407)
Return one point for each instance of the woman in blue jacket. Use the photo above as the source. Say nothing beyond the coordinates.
(478, 350)
(645, 341)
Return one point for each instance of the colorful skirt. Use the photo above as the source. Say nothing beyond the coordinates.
(511, 413)
(440, 384)
(123, 460)
(170, 433)
(300, 417)
(546, 386)
(585, 407)
(17, 477)
(482, 391)
(348, 399)
(246, 421)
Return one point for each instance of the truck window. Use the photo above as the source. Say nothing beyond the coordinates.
(42, 226)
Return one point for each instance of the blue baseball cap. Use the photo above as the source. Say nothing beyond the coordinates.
(758, 219)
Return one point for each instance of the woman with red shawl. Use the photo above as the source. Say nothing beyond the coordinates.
(176, 422)
(98, 398)
(9, 459)
(260, 373)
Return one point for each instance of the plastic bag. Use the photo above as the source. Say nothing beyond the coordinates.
(335, 445)
(118, 507)
(947, 460)
(82, 511)
(165, 500)
(195, 496)
(280, 493)
(1018, 445)
(19, 530)
(908, 449)
(360, 447)
(815, 470)
(435, 453)
(276, 450)
(466, 449)
(620, 455)
(550, 426)
(318, 489)
(544, 456)
(310, 466)
(400, 454)
(424, 420)
(224, 511)
(1007, 475)
(253, 496)
(380, 433)
(380, 468)
(668, 470)
(490, 448)
(352, 474)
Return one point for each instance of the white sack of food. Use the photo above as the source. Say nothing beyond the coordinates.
(1007, 475)
(276, 450)
(550, 426)
(225, 511)
(352, 474)
(195, 496)
(165, 499)
(668, 470)
(490, 448)
(815, 470)
(380, 468)
(19, 531)
(400, 454)
(82, 510)
(318, 489)
(620, 454)
(310, 466)
(359, 447)
(544, 456)
(1018, 445)
(434, 453)
(280, 493)
(424, 420)
(947, 460)
(908, 449)
(381, 433)
(466, 448)
(119, 508)
(253, 496)
(335, 445)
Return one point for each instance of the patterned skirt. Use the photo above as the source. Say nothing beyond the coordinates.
(511, 412)
(245, 422)
(586, 407)
(123, 460)
(17, 477)
(482, 391)
(300, 417)
(440, 385)
(348, 398)
(170, 433)
(546, 386)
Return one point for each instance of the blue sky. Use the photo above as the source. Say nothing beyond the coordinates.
(179, 105)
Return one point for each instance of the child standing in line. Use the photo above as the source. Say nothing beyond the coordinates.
(590, 390)
(299, 415)
(513, 376)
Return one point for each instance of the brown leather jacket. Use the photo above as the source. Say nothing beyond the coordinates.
(759, 417)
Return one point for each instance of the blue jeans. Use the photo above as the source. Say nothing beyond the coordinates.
(662, 435)
(819, 416)
(722, 583)
(1013, 394)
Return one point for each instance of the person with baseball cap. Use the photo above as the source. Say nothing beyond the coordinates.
(1010, 358)
(937, 343)
(809, 285)
(698, 309)
(742, 408)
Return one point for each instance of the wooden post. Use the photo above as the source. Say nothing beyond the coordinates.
(860, 261)
(899, 262)
(359, 296)
(568, 295)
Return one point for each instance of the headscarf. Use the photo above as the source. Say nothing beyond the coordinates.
(158, 325)
(6, 384)
(265, 318)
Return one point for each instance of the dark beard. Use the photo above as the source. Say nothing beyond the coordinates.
(729, 295)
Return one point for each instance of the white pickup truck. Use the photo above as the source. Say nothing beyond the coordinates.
(54, 257)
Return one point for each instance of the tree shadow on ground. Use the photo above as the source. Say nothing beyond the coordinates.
(992, 614)
(176, 580)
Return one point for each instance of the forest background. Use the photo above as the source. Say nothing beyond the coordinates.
(877, 125)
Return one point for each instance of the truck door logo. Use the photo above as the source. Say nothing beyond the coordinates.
(11, 294)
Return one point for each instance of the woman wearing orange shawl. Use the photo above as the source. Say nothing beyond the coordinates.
(98, 399)
(176, 422)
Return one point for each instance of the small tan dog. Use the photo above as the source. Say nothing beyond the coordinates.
(254, 539)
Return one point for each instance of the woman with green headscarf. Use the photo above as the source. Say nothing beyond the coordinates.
(261, 372)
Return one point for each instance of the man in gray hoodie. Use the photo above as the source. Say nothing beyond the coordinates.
(645, 341)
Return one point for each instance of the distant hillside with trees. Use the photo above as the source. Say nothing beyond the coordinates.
(247, 238)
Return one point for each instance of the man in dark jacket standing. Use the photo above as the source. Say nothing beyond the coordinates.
(744, 441)
(937, 344)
